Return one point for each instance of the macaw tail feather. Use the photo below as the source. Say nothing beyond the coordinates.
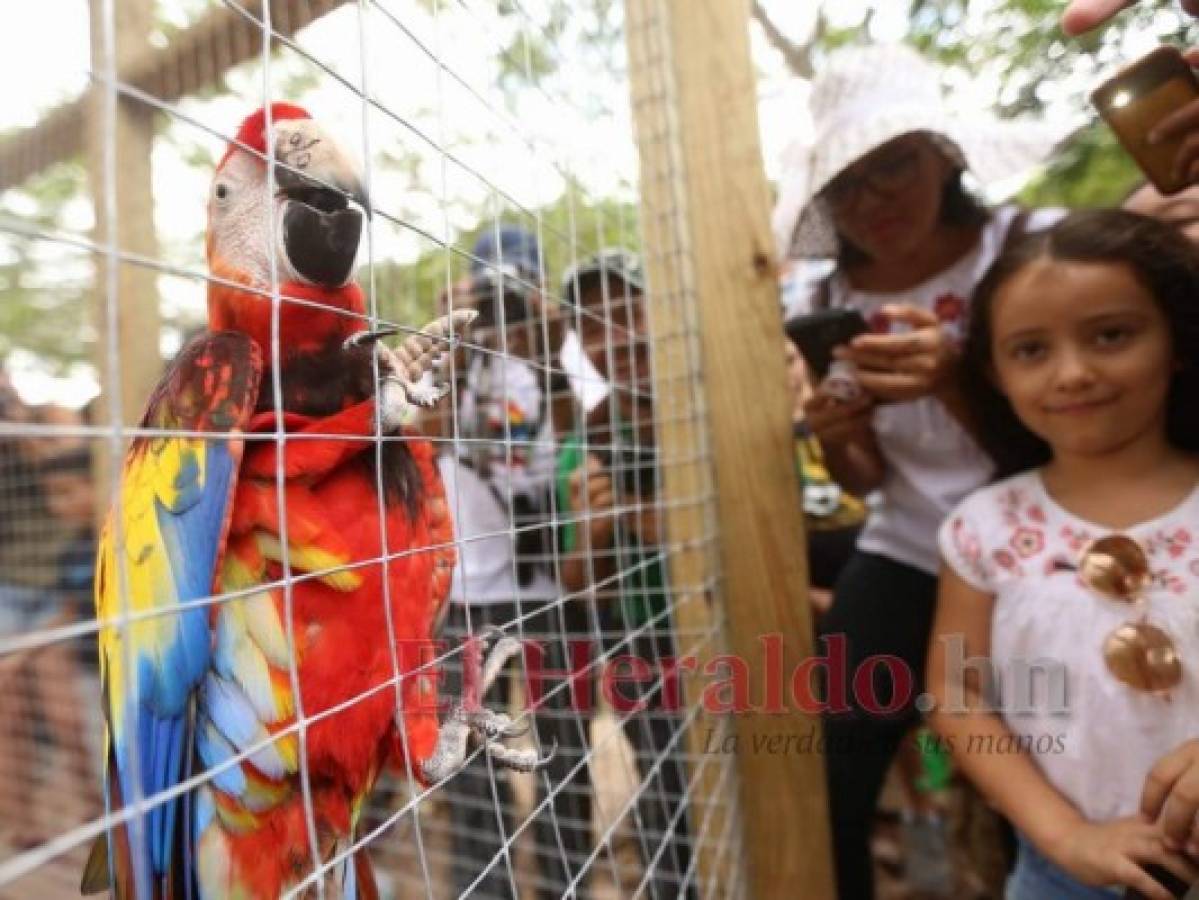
(96, 877)
(363, 883)
(105, 860)
(109, 866)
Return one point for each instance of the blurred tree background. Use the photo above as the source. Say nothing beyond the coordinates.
(1013, 48)
(1017, 46)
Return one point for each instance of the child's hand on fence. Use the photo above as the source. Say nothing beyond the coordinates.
(837, 423)
(1116, 853)
(1171, 796)
(591, 495)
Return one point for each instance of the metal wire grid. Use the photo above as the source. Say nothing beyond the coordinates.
(406, 829)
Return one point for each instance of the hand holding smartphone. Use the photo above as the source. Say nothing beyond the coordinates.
(817, 335)
(1163, 876)
(1140, 97)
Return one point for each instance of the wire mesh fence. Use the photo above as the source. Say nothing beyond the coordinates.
(312, 557)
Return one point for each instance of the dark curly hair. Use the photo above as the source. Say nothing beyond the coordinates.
(1161, 259)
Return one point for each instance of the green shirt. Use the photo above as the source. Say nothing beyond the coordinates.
(641, 574)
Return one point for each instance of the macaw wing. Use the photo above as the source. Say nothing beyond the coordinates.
(159, 551)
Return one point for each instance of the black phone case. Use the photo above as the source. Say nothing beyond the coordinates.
(816, 334)
(1163, 876)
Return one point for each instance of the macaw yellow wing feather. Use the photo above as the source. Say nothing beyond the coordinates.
(158, 556)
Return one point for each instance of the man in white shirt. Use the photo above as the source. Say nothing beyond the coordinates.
(498, 468)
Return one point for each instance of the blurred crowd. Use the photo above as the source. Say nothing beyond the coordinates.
(551, 467)
(47, 556)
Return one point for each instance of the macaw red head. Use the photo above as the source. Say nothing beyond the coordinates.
(302, 206)
(297, 212)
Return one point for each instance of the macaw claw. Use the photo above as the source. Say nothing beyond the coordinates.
(489, 727)
(409, 373)
(365, 338)
(427, 392)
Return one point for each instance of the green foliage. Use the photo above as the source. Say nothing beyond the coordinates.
(1039, 65)
(44, 286)
(1038, 68)
(568, 29)
(1023, 41)
(571, 227)
(1092, 171)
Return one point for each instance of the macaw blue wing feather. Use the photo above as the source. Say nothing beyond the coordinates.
(158, 556)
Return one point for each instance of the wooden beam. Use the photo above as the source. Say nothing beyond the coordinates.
(194, 61)
(716, 318)
(131, 132)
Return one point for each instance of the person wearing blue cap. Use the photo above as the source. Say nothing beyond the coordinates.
(499, 474)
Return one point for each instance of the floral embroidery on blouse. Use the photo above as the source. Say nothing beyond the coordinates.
(1175, 542)
(1076, 539)
(1028, 542)
(880, 322)
(969, 549)
(1032, 545)
(949, 309)
(1006, 560)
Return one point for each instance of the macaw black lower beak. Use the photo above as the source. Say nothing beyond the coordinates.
(321, 246)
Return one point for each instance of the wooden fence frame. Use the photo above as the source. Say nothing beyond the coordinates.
(713, 281)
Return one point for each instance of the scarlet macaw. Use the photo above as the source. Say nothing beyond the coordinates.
(192, 684)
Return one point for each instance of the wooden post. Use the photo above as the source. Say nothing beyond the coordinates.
(139, 319)
(716, 319)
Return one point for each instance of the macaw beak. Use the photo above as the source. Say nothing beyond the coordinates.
(316, 180)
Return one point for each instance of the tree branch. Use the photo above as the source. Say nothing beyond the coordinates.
(797, 56)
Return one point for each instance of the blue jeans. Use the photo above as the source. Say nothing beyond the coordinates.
(1036, 878)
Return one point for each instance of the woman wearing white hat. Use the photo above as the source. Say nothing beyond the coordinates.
(879, 190)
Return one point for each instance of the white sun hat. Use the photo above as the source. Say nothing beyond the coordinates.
(867, 96)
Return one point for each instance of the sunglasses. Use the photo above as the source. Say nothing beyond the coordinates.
(1137, 653)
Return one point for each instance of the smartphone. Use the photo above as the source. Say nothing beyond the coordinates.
(1134, 100)
(1163, 876)
(816, 334)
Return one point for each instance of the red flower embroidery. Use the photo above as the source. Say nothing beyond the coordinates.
(1076, 540)
(1036, 514)
(1005, 559)
(1028, 542)
(949, 308)
(965, 541)
(1177, 543)
(1172, 583)
(1010, 502)
(969, 548)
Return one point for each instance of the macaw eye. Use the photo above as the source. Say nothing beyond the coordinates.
(222, 191)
